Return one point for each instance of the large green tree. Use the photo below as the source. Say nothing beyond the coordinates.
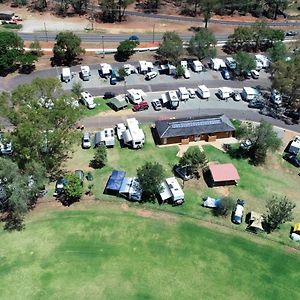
(277, 52)
(67, 47)
(73, 190)
(171, 47)
(244, 62)
(202, 44)
(100, 157)
(126, 49)
(109, 10)
(150, 177)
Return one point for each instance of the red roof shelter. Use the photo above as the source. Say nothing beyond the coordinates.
(224, 174)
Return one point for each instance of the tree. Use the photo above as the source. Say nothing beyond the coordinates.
(286, 79)
(126, 49)
(225, 207)
(239, 40)
(27, 61)
(277, 52)
(122, 72)
(77, 89)
(180, 70)
(202, 44)
(11, 48)
(171, 47)
(207, 8)
(279, 211)
(193, 159)
(100, 157)
(122, 5)
(109, 10)
(73, 190)
(244, 62)
(67, 47)
(35, 48)
(79, 6)
(150, 177)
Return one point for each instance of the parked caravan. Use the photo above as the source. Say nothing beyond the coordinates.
(183, 94)
(167, 69)
(203, 91)
(85, 73)
(133, 136)
(197, 66)
(105, 69)
(217, 64)
(135, 95)
(173, 99)
(88, 100)
(249, 93)
(230, 63)
(224, 93)
(172, 192)
(66, 75)
(263, 59)
(129, 69)
(107, 137)
(184, 65)
(131, 189)
(145, 66)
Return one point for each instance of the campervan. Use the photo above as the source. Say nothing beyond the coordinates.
(105, 69)
(203, 91)
(135, 95)
(145, 66)
(173, 99)
(249, 93)
(196, 66)
(217, 64)
(88, 100)
(171, 191)
(66, 75)
(85, 73)
(133, 136)
(230, 63)
(183, 94)
(224, 93)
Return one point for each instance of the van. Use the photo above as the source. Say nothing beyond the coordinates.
(85, 73)
(66, 75)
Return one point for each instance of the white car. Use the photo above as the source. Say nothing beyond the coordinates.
(187, 74)
(254, 74)
(156, 104)
(120, 128)
(192, 93)
(151, 75)
(86, 141)
(236, 96)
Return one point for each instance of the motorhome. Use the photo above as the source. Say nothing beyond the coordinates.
(217, 64)
(171, 192)
(105, 69)
(263, 59)
(249, 93)
(203, 91)
(133, 136)
(145, 66)
(196, 65)
(88, 100)
(183, 94)
(135, 95)
(173, 99)
(224, 93)
(230, 63)
(66, 75)
(85, 73)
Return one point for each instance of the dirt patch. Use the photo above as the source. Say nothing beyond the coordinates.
(125, 206)
(223, 190)
(144, 213)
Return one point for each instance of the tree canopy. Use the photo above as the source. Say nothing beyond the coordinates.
(126, 49)
(277, 52)
(73, 190)
(100, 157)
(202, 44)
(244, 62)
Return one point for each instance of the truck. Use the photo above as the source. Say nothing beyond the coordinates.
(66, 75)
(133, 136)
(88, 100)
(173, 99)
(249, 93)
(196, 65)
(203, 91)
(183, 94)
(85, 73)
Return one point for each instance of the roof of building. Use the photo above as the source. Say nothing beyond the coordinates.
(193, 126)
(224, 172)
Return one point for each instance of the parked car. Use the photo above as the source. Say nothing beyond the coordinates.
(113, 78)
(183, 173)
(237, 216)
(134, 38)
(291, 33)
(80, 175)
(247, 74)
(109, 95)
(254, 74)
(192, 93)
(60, 185)
(236, 96)
(156, 104)
(225, 73)
(151, 75)
(86, 141)
(141, 106)
(292, 159)
(255, 103)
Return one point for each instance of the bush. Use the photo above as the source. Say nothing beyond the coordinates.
(226, 206)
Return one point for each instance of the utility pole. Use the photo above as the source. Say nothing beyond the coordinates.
(153, 32)
(46, 32)
(103, 52)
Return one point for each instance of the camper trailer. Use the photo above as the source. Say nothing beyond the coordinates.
(85, 73)
(66, 75)
(135, 96)
(217, 64)
(224, 93)
(105, 69)
(249, 93)
(173, 99)
(131, 189)
(133, 136)
(196, 66)
(230, 63)
(203, 91)
(167, 69)
(129, 69)
(88, 100)
(105, 137)
(172, 192)
(145, 66)
(183, 94)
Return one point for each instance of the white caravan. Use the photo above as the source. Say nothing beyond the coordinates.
(85, 73)
(171, 190)
(203, 91)
(88, 100)
(173, 99)
(263, 59)
(184, 65)
(183, 94)
(66, 75)
(129, 69)
(145, 66)
(225, 92)
(105, 69)
(217, 64)
(249, 93)
(106, 136)
(135, 95)
(133, 136)
(196, 65)
(120, 128)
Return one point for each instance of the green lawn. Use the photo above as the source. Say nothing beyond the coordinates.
(10, 27)
(101, 251)
(101, 106)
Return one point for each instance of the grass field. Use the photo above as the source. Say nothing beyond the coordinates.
(104, 251)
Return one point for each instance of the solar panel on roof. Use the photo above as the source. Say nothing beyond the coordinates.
(186, 124)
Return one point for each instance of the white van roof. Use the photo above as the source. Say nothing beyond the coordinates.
(183, 90)
(250, 91)
(66, 72)
(203, 88)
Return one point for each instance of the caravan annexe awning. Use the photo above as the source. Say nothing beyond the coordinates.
(115, 181)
